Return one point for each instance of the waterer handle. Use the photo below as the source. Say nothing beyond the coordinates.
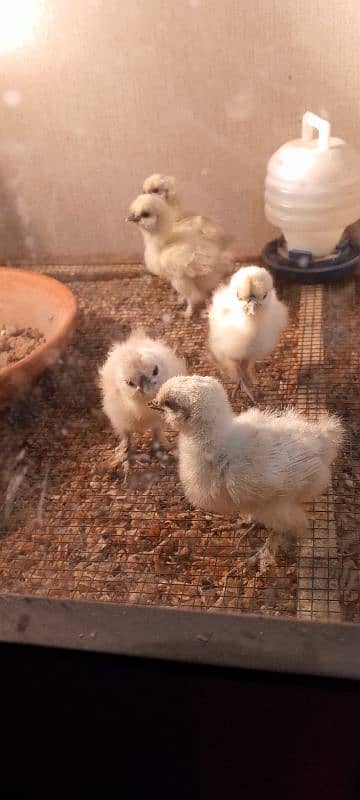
(310, 123)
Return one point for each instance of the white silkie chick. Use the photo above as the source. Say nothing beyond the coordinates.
(131, 376)
(165, 187)
(193, 264)
(246, 320)
(153, 230)
(262, 464)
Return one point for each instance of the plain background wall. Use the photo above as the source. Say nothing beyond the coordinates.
(109, 91)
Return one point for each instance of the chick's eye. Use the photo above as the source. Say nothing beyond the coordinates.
(265, 295)
(145, 214)
(155, 370)
(169, 404)
(155, 191)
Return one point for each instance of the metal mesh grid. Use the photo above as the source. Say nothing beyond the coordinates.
(342, 357)
(72, 532)
(318, 565)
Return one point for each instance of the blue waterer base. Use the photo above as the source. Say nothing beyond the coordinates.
(301, 267)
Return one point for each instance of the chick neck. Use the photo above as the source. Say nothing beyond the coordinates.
(209, 425)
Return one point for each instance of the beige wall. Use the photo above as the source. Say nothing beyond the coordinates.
(111, 90)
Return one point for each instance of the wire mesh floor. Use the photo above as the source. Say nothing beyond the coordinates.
(69, 531)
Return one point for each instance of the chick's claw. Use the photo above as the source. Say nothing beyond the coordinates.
(251, 528)
(114, 462)
(260, 561)
(244, 382)
(181, 305)
(275, 547)
(244, 388)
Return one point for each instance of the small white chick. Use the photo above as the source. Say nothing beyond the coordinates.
(131, 376)
(246, 320)
(165, 187)
(262, 464)
(154, 230)
(192, 264)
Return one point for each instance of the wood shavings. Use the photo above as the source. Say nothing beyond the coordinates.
(139, 543)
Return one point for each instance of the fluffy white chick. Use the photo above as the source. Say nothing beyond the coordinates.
(262, 464)
(193, 264)
(165, 187)
(246, 320)
(152, 230)
(131, 376)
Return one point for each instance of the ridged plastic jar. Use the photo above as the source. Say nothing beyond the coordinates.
(312, 188)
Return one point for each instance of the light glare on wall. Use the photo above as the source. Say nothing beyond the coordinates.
(17, 23)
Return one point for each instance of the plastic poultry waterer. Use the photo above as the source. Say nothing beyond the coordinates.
(312, 193)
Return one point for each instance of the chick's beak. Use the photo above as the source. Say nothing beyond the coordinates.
(251, 307)
(131, 217)
(154, 405)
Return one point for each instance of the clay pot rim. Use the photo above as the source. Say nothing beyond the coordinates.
(52, 342)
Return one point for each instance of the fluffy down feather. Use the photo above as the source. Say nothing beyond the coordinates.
(165, 187)
(262, 464)
(192, 264)
(131, 376)
(246, 320)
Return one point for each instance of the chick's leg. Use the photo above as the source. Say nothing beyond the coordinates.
(250, 526)
(241, 369)
(159, 444)
(181, 305)
(194, 300)
(288, 523)
(251, 371)
(120, 456)
(187, 289)
(190, 310)
(196, 296)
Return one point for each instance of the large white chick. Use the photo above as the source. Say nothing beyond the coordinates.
(246, 320)
(165, 187)
(193, 264)
(262, 464)
(131, 376)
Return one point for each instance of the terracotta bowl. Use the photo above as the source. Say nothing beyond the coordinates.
(31, 300)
